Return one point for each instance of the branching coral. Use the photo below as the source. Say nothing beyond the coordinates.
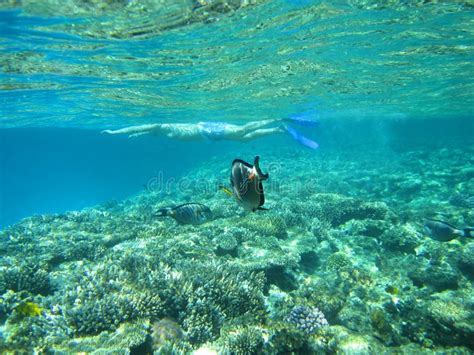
(243, 341)
(271, 225)
(338, 261)
(25, 277)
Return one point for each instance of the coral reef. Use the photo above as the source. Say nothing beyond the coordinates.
(307, 319)
(25, 277)
(165, 333)
(327, 273)
(243, 340)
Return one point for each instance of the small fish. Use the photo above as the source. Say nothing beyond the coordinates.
(226, 190)
(392, 290)
(444, 232)
(188, 213)
(246, 181)
(29, 309)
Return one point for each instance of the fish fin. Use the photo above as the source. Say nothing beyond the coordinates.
(304, 118)
(262, 195)
(263, 209)
(301, 139)
(240, 161)
(256, 164)
(443, 222)
(226, 190)
(468, 232)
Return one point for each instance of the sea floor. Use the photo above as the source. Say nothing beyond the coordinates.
(343, 240)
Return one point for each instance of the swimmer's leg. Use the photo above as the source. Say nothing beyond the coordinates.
(252, 126)
(137, 134)
(261, 133)
(134, 131)
(238, 132)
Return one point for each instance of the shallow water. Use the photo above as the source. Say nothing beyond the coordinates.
(87, 266)
(353, 59)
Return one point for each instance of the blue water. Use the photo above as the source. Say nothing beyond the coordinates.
(47, 170)
(54, 170)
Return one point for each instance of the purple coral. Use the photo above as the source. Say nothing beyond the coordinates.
(307, 319)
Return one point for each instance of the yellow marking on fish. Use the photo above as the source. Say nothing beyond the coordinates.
(392, 290)
(226, 190)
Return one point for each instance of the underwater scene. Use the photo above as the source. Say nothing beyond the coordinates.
(236, 177)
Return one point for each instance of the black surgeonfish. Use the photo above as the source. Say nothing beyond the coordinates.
(188, 213)
(444, 232)
(246, 181)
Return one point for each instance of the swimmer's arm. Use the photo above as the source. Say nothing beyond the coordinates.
(134, 131)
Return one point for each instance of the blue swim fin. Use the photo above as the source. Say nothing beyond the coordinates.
(306, 118)
(301, 139)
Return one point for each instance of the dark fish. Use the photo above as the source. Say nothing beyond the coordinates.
(444, 232)
(246, 181)
(188, 213)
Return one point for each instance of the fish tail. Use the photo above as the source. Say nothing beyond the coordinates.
(163, 212)
(300, 138)
(306, 118)
(226, 190)
(468, 232)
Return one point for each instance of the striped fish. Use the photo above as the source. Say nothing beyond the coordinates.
(246, 181)
(188, 213)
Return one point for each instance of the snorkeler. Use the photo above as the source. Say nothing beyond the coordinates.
(222, 130)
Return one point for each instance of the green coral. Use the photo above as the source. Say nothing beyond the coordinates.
(25, 277)
(438, 277)
(106, 299)
(272, 225)
(26, 333)
(449, 313)
(454, 317)
(94, 316)
(243, 341)
(289, 340)
(380, 322)
(128, 337)
(319, 228)
(174, 347)
(326, 297)
(336, 209)
(227, 241)
(466, 260)
(203, 320)
(401, 238)
(366, 227)
(202, 295)
(338, 261)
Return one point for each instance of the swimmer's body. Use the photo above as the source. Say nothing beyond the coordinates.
(204, 130)
(218, 130)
